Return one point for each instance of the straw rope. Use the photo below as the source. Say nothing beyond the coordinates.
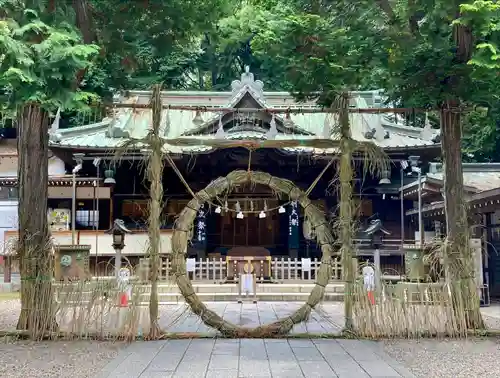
(180, 242)
(211, 203)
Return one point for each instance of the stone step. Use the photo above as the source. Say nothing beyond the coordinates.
(211, 292)
(225, 297)
(233, 288)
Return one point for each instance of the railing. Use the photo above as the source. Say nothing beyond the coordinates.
(215, 270)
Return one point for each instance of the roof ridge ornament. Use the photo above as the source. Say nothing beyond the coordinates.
(327, 131)
(428, 133)
(166, 128)
(247, 80)
(220, 134)
(116, 128)
(54, 134)
(273, 131)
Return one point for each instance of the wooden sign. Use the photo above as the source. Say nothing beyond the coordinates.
(71, 262)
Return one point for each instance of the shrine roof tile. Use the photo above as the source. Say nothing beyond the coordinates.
(113, 132)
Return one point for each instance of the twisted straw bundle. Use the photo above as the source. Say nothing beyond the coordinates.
(181, 236)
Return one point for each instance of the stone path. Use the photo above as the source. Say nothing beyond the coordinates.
(223, 358)
(327, 318)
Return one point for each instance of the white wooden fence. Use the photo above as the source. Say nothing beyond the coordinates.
(215, 270)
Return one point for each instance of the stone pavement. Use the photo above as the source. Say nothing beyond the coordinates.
(278, 358)
(327, 318)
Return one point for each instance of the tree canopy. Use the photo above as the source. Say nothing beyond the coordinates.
(39, 60)
(407, 48)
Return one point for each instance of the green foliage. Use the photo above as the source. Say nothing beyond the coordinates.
(39, 62)
(146, 42)
(318, 53)
(484, 18)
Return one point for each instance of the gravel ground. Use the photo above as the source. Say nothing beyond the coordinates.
(447, 358)
(76, 359)
(9, 312)
(55, 359)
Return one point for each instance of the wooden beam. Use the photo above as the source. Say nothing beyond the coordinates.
(298, 110)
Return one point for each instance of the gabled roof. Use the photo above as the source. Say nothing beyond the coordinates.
(112, 132)
(481, 180)
(478, 177)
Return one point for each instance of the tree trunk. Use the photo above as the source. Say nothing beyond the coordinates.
(155, 176)
(346, 211)
(34, 246)
(458, 256)
(84, 22)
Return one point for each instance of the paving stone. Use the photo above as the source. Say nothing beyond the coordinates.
(232, 349)
(345, 368)
(296, 373)
(255, 374)
(222, 373)
(285, 367)
(317, 369)
(253, 366)
(301, 343)
(218, 362)
(157, 374)
(257, 353)
(307, 354)
(254, 357)
(379, 368)
(166, 361)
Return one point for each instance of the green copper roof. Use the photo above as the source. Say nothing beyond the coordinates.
(113, 132)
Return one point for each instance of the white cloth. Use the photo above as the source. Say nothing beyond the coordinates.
(368, 278)
(246, 282)
(190, 265)
(306, 265)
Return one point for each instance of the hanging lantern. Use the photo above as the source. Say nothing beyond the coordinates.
(239, 215)
(262, 215)
(218, 210)
(281, 210)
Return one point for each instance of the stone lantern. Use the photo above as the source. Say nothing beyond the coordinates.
(375, 231)
(118, 232)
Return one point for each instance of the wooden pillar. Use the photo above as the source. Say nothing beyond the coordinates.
(7, 271)
(111, 206)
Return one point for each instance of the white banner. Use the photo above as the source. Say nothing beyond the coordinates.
(246, 284)
(306, 265)
(190, 265)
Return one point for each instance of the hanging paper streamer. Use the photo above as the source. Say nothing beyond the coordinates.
(201, 227)
(293, 226)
